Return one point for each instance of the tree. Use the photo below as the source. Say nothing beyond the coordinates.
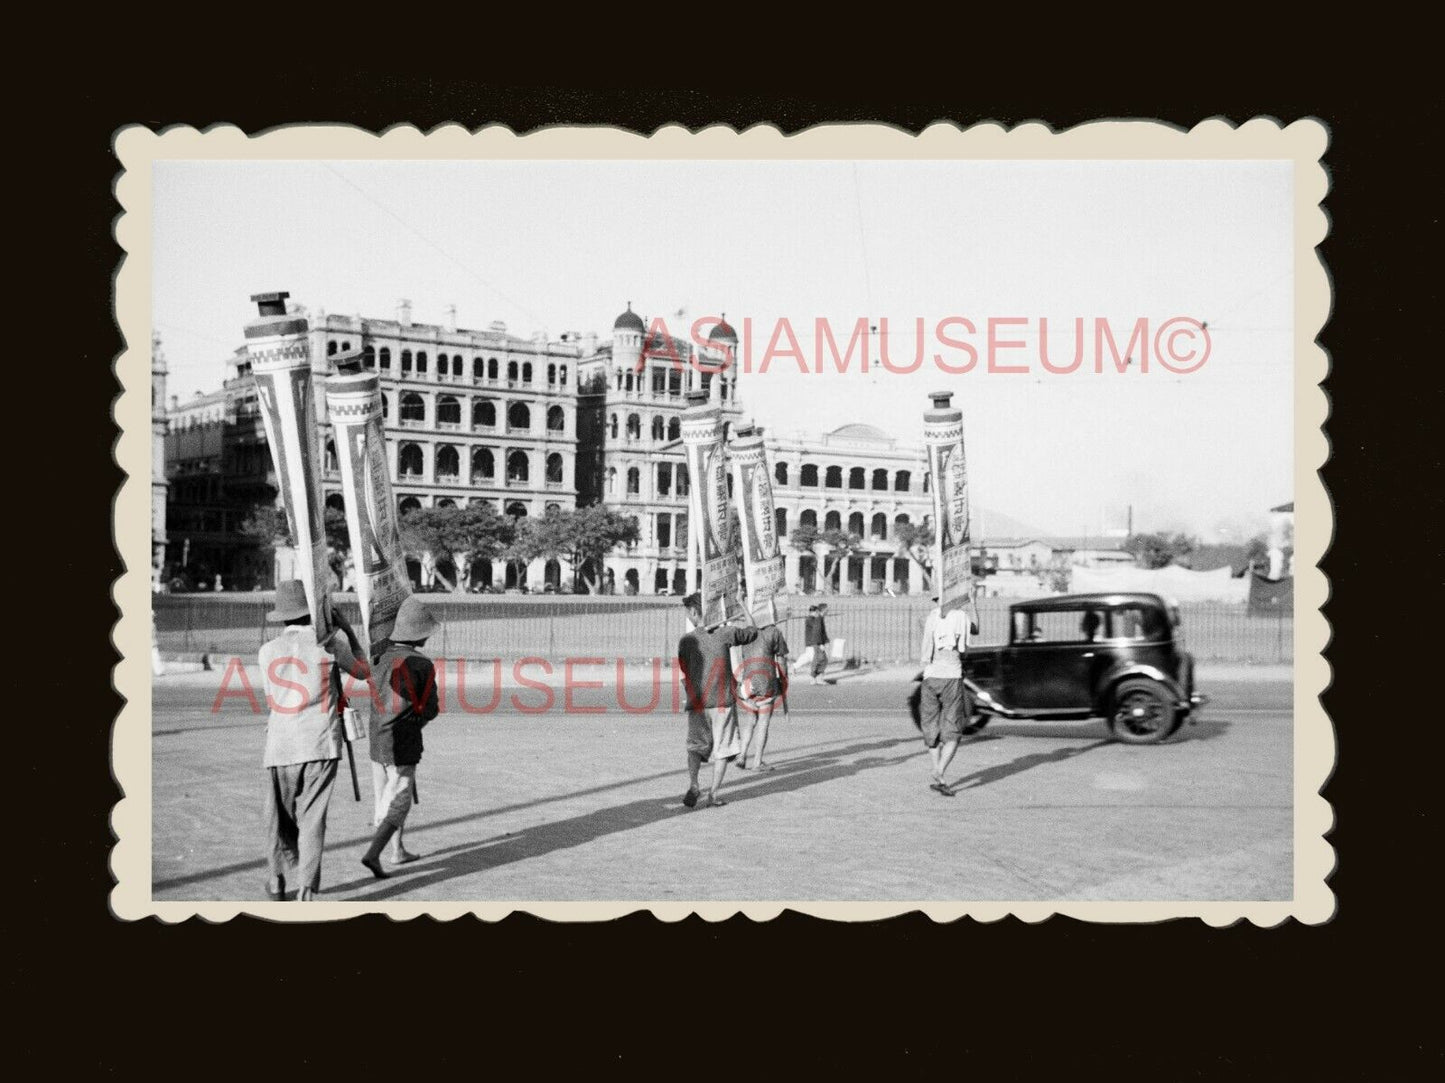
(460, 535)
(584, 536)
(1159, 550)
(837, 544)
(916, 541)
(267, 525)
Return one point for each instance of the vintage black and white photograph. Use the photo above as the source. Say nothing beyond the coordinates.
(856, 523)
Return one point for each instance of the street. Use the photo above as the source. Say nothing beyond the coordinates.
(569, 806)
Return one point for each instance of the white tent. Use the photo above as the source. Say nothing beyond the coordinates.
(1180, 584)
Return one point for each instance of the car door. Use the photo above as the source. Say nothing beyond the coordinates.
(1050, 662)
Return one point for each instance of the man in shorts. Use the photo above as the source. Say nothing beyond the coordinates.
(704, 655)
(944, 705)
(763, 677)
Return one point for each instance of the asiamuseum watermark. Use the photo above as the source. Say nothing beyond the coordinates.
(481, 687)
(954, 345)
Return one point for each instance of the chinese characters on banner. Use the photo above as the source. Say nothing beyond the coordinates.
(762, 560)
(943, 435)
(708, 505)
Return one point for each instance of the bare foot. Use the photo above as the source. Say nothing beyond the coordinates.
(405, 857)
(374, 864)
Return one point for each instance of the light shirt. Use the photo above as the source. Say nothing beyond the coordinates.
(303, 692)
(944, 641)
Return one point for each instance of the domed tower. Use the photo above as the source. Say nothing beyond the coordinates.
(159, 485)
(722, 349)
(627, 332)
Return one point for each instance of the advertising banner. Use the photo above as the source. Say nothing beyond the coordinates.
(762, 557)
(943, 436)
(353, 403)
(281, 368)
(708, 506)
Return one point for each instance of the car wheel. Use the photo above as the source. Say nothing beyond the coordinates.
(978, 722)
(1141, 712)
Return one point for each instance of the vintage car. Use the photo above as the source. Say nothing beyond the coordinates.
(1113, 656)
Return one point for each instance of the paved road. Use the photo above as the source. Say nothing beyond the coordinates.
(588, 806)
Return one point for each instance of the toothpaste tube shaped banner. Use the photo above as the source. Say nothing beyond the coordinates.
(708, 506)
(762, 558)
(280, 356)
(943, 436)
(353, 403)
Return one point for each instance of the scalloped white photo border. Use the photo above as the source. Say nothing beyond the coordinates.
(1302, 142)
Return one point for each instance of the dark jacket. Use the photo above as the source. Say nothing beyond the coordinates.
(406, 682)
(815, 632)
(706, 662)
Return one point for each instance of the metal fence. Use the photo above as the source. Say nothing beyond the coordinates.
(511, 627)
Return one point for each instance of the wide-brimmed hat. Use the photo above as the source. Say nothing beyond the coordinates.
(291, 601)
(414, 622)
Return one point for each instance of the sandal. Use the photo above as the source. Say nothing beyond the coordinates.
(941, 788)
(690, 798)
(714, 801)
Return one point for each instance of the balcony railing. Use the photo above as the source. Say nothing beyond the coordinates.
(449, 425)
(412, 422)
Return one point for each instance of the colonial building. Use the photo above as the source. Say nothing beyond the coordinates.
(859, 480)
(158, 464)
(630, 453)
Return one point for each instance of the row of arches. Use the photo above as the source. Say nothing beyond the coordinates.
(406, 504)
(662, 428)
(876, 528)
(451, 366)
(858, 478)
(411, 465)
(412, 408)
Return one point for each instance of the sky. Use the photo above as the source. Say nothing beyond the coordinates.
(564, 246)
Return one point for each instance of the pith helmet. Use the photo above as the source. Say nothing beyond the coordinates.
(414, 622)
(290, 601)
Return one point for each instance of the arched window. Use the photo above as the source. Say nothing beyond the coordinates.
(331, 347)
(614, 426)
(880, 479)
(551, 375)
(345, 347)
(519, 467)
(457, 365)
(900, 481)
(619, 379)
(880, 527)
(780, 473)
(554, 508)
(527, 372)
(634, 481)
(405, 360)
(484, 467)
(385, 407)
(412, 407)
(809, 519)
(556, 419)
(634, 427)
(409, 461)
(442, 367)
(856, 478)
(723, 390)
(334, 500)
(832, 521)
(491, 368)
(554, 469)
(674, 429)
(449, 410)
(518, 416)
(834, 478)
(368, 356)
(562, 373)
(517, 510)
(855, 523)
(659, 428)
(446, 502)
(408, 505)
(449, 463)
(612, 481)
(627, 381)
(479, 368)
(484, 414)
(899, 522)
(808, 478)
(780, 522)
(421, 361)
(385, 356)
(512, 370)
(331, 466)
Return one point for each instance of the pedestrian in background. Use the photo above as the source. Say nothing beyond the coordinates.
(815, 635)
(406, 684)
(304, 735)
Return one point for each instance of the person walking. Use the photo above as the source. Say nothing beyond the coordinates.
(406, 683)
(704, 656)
(943, 706)
(815, 635)
(763, 680)
(304, 735)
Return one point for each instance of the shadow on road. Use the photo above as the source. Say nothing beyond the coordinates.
(468, 859)
(1023, 763)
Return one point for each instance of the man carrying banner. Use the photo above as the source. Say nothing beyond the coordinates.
(406, 685)
(712, 715)
(303, 737)
(762, 680)
(944, 704)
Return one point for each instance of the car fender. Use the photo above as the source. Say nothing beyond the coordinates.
(1138, 669)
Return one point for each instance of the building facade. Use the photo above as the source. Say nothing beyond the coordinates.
(159, 485)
